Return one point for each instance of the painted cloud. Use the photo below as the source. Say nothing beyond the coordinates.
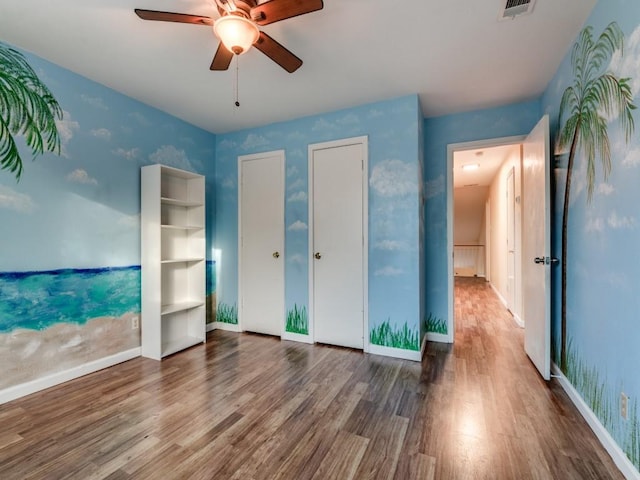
(392, 178)
(12, 200)
(102, 133)
(171, 156)
(297, 226)
(81, 176)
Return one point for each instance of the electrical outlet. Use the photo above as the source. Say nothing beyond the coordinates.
(624, 401)
(135, 323)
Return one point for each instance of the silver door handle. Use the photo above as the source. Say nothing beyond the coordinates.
(318, 256)
(546, 260)
(276, 254)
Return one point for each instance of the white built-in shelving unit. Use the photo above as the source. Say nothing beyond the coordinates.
(173, 260)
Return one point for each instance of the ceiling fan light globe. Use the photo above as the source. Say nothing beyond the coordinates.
(236, 33)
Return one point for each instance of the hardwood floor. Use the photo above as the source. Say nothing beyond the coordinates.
(253, 407)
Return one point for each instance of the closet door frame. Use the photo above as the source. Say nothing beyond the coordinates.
(364, 141)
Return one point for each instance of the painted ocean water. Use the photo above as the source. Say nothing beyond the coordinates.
(210, 277)
(37, 300)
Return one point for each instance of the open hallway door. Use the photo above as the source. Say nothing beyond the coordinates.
(536, 259)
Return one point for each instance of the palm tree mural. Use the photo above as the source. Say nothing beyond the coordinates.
(588, 104)
(27, 108)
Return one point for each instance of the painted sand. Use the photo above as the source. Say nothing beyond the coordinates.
(26, 354)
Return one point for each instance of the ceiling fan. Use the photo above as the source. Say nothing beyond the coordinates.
(237, 28)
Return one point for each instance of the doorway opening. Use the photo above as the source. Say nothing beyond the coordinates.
(525, 262)
(485, 229)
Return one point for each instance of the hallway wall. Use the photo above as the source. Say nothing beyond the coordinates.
(498, 199)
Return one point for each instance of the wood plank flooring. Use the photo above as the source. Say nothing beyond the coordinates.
(252, 407)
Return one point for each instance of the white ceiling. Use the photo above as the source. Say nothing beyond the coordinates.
(488, 161)
(471, 189)
(455, 55)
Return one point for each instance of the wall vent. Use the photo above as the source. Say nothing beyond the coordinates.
(515, 8)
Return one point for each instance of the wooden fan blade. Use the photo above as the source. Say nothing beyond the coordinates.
(222, 58)
(273, 11)
(173, 17)
(277, 53)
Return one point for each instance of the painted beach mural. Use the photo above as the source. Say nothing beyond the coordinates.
(56, 317)
(70, 156)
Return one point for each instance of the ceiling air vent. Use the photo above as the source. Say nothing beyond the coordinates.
(515, 8)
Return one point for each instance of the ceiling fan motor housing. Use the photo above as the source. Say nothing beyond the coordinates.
(238, 27)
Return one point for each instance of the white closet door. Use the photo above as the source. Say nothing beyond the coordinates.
(261, 237)
(337, 242)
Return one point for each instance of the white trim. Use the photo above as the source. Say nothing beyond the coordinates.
(365, 242)
(364, 141)
(297, 337)
(229, 327)
(439, 337)
(211, 326)
(395, 352)
(57, 378)
(310, 316)
(280, 154)
(217, 253)
(518, 320)
(619, 457)
(499, 295)
(451, 149)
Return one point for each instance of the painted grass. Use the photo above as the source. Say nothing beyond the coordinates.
(227, 313)
(434, 324)
(297, 321)
(604, 401)
(403, 338)
(632, 448)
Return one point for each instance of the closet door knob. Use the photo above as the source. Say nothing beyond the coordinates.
(318, 256)
(276, 254)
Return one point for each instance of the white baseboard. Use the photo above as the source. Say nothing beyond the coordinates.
(500, 297)
(439, 337)
(57, 378)
(395, 352)
(230, 327)
(619, 457)
(518, 320)
(296, 337)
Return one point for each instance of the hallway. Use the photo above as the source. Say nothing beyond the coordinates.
(506, 422)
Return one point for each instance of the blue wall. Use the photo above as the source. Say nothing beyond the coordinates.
(603, 238)
(73, 221)
(511, 120)
(392, 128)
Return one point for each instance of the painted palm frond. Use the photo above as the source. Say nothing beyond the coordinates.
(594, 97)
(586, 107)
(27, 108)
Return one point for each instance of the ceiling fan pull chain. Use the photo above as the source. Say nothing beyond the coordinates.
(237, 89)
